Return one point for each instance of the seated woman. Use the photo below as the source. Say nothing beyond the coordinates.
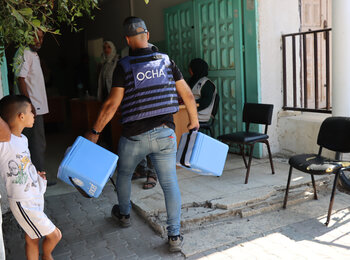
(203, 88)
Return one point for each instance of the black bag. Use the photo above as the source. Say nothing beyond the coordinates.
(344, 180)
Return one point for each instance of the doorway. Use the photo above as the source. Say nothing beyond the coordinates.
(211, 30)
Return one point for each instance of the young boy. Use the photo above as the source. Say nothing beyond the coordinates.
(25, 186)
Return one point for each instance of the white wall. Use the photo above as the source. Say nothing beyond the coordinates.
(341, 58)
(275, 18)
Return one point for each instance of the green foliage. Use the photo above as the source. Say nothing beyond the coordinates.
(19, 19)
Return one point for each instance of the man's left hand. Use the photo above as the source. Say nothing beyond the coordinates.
(191, 126)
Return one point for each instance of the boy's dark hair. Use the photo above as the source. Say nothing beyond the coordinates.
(12, 105)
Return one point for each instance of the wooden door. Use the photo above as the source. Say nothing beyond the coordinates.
(315, 15)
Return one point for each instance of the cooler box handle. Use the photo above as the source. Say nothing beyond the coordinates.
(82, 192)
(184, 152)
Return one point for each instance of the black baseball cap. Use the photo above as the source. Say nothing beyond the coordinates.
(131, 24)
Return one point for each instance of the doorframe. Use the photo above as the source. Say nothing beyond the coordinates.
(251, 58)
(251, 55)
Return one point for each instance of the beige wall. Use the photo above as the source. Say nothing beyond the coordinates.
(298, 133)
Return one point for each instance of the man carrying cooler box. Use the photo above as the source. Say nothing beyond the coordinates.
(146, 84)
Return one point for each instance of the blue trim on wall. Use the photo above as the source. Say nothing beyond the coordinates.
(4, 79)
(252, 60)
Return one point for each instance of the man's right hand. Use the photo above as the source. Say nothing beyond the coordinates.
(92, 137)
(108, 109)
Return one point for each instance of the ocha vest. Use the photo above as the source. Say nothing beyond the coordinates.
(150, 87)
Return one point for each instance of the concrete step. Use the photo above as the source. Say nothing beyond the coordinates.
(201, 215)
(302, 223)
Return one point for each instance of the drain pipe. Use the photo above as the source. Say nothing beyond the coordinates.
(340, 58)
(131, 4)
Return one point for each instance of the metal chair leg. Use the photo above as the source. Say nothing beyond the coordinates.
(332, 197)
(249, 163)
(241, 147)
(314, 186)
(270, 156)
(287, 188)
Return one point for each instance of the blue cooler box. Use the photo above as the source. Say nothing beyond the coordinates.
(88, 165)
(201, 154)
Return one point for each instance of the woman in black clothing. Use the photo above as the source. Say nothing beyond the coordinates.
(203, 88)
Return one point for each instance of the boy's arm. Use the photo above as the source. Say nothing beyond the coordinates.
(5, 132)
(42, 175)
(186, 94)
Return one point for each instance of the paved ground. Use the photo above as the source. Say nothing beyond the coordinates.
(222, 218)
(90, 233)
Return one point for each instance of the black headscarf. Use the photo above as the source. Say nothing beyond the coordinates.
(199, 68)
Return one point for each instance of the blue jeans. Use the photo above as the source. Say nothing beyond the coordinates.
(160, 144)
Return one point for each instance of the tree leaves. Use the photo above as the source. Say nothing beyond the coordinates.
(19, 19)
(36, 23)
(17, 15)
(26, 11)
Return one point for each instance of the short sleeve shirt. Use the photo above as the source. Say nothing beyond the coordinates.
(29, 68)
(143, 125)
(17, 171)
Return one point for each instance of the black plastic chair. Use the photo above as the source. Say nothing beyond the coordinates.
(257, 114)
(333, 135)
(209, 125)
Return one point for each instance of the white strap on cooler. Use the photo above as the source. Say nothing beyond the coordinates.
(186, 146)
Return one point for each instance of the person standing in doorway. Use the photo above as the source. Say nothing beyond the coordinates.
(109, 59)
(29, 79)
(146, 84)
